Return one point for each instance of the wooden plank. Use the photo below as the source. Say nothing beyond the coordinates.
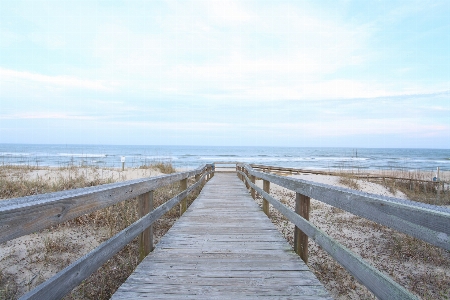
(21, 216)
(266, 188)
(63, 282)
(423, 221)
(252, 179)
(183, 203)
(302, 205)
(247, 290)
(265, 168)
(222, 247)
(378, 283)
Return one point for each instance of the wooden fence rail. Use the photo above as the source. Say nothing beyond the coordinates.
(25, 215)
(426, 222)
(423, 221)
(265, 168)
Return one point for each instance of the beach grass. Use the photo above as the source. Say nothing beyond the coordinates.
(58, 249)
(162, 166)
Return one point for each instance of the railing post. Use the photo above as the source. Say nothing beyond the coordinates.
(183, 203)
(253, 179)
(246, 183)
(266, 188)
(197, 177)
(302, 204)
(146, 237)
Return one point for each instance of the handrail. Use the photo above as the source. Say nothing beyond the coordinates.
(21, 216)
(70, 277)
(426, 222)
(25, 215)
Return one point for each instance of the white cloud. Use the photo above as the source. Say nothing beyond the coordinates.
(46, 115)
(11, 76)
(366, 126)
(228, 13)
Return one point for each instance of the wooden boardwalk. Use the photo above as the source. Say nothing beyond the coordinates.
(223, 247)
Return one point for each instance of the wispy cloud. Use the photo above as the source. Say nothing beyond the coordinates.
(7, 75)
(369, 127)
(46, 115)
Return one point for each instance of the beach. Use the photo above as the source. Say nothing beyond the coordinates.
(30, 260)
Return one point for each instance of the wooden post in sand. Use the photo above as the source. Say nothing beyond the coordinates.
(183, 203)
(302, 205)
(146, 237)
(266, 188)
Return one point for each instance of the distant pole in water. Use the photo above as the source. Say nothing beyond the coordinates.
(356, 152)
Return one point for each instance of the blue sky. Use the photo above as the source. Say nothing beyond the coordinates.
(273, 73)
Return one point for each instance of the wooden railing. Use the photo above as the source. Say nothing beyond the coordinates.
(426, 222)
(21, 216)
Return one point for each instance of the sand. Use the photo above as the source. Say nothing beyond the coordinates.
(30, 260)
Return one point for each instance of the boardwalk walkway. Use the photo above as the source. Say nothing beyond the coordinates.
(223, 247)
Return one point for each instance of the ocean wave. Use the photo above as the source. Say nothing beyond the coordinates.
(285, 159)
(15, 154)
(442, 161)
(159, 157)
(87, 155)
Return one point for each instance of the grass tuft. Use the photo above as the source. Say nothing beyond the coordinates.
(350, 182)
(163, 167)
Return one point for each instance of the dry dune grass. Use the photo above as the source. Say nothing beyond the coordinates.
(30, 260)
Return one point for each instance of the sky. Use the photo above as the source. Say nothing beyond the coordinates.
(238, 73)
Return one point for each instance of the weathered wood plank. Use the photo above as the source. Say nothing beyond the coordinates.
(302, 206)
(264, 168)
(21, 216)
(146, 237)
(183, 204)
(251, 290)
(266, 188)
(222, 247)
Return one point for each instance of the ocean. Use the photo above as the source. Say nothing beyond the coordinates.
(193, 156)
